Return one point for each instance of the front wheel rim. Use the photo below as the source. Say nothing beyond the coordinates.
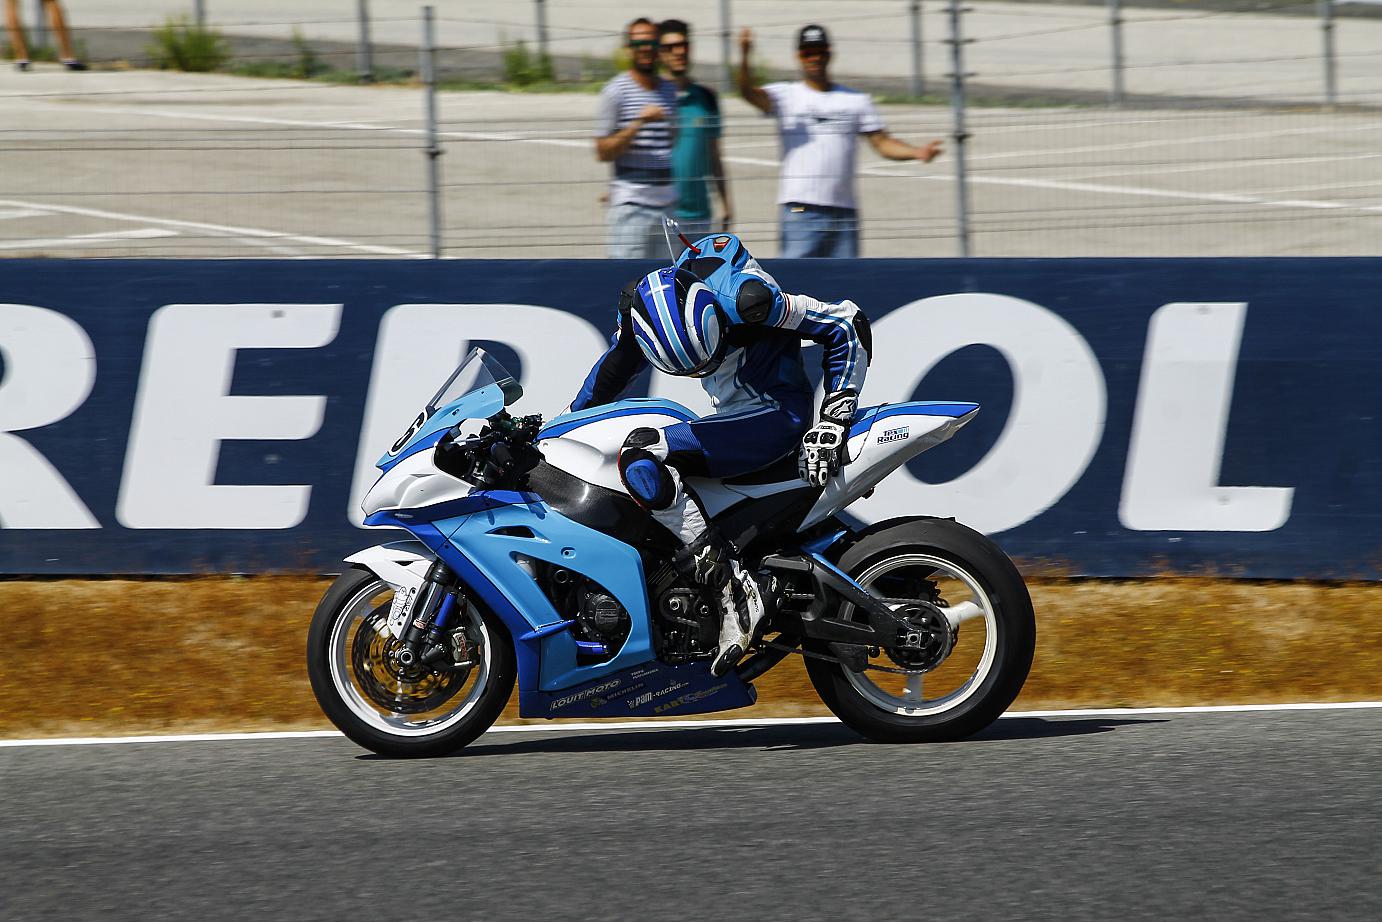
(913, 703)
(355, 616)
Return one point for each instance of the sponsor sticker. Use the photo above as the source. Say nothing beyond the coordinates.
(690, 697)
(600, 701)
(895, 435)
(646, 697)
(584, 693)
(398, 611)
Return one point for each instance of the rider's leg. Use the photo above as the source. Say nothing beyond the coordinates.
(707, 558)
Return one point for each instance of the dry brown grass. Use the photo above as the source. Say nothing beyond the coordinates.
(110, 657)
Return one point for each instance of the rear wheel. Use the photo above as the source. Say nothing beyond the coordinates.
(391, 709)
(974, 661)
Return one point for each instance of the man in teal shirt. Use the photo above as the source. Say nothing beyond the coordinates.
(696, 151)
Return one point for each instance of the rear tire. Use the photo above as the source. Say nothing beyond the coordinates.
(352, 678)
(968, 559)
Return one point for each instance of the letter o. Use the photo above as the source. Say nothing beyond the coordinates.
(1053, 428)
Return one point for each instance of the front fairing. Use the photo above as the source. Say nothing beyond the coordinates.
(426, 430)
(479, 388)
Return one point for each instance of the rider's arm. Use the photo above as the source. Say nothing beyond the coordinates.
(615, 370)
(841, 329)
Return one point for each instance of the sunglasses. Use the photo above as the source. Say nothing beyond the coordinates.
(815, 52)
(643, 43)
(675, 46)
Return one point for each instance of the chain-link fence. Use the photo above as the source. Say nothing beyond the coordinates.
(1102, 129)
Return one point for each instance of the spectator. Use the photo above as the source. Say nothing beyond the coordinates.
(696, 153)
(20, 50)
(635, 128)
(817, 121)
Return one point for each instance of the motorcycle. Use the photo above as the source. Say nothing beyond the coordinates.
(528, 562)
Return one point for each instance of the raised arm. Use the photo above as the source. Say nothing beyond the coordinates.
(753, 94)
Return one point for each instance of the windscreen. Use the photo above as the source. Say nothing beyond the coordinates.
(478, 369)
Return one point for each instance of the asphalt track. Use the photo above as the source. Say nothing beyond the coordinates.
(1207, 815)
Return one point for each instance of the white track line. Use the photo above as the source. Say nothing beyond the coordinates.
(10, 214)
(140, 233)
(216, 228)
(738, 723)
(1058, 185)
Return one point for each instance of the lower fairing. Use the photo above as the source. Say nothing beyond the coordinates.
(650, 689)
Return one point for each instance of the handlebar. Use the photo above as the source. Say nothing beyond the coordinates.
(502, 451)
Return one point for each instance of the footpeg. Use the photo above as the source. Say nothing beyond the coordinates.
(853, 656)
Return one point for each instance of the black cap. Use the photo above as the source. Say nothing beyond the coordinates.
(813, 36)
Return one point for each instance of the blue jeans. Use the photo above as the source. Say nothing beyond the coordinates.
(635, 232)
(819, 231)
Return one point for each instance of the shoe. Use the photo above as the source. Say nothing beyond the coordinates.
(709, 562)
(741, 609)
(75, 65)
(21, 65)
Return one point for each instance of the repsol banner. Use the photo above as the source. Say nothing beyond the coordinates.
(1139, 416)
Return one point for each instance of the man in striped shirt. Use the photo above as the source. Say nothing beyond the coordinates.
(634, 129)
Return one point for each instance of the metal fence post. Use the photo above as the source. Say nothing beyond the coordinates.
(918, 77)
(540, 11)
(364, 54)
(39, 34)
(959, 135)
(1326, 8)
(1115, 25)
(725, 66)
(433, 150)
(199, 15)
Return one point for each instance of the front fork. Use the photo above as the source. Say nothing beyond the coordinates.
(423, 641)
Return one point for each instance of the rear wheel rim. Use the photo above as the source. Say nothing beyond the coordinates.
(357, 670)
(912, 701)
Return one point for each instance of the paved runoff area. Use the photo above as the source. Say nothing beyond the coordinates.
(1187, 49)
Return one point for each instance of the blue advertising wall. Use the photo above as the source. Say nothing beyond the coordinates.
(1139, 416)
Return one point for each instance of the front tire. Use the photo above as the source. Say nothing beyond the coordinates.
(385, 708)
(969, 577)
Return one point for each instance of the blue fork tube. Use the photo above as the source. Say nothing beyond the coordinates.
(439, 578)
(448, 608)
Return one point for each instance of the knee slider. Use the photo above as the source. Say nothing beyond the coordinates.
(645, 475)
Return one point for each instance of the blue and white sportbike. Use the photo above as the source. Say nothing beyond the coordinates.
(529, 562)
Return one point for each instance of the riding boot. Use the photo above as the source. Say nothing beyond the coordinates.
(709, 562)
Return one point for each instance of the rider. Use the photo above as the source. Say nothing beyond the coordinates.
(717, 315)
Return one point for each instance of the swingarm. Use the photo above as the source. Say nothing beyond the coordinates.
(915, 631)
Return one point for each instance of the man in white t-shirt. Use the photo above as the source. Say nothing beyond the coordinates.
(817, 121)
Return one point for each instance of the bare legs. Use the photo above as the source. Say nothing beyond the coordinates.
(16, 30)
(57, 22)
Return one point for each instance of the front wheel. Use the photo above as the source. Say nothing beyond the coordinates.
(390, 709)
(966, 677)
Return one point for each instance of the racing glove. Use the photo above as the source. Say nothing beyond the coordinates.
(824, 448)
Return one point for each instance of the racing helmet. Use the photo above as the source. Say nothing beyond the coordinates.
(678, 323)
